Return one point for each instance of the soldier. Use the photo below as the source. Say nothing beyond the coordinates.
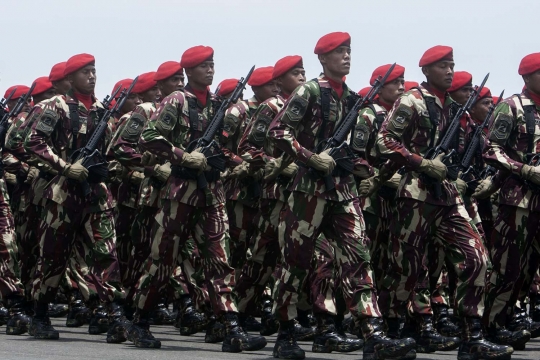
(60, 126)
(186, 209)
(308, 117)
(407, 133)
(60, 82)
(512, 145)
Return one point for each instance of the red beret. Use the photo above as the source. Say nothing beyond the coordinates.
(381, 71)
(167, 69)
(461, 78)
(485, 93)
(57, 72)
(435, 54)
(226, 86)
(364, 91)
(145, 82)
(529, 64)
(332, 41)
(410, 84)
(21, 90)
(196, 55)
(261, 76)
(287, 63)
(125, 83)
(495, 99)
(77, 62)
(42, 84)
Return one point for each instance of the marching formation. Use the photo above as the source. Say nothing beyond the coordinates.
(398, 220)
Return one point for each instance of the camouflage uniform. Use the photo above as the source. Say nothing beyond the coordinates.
(310, 210)
(187, 211)
(420, 218)
(69, 220)
(516, 228)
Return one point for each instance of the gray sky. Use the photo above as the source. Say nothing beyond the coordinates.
(131, 37)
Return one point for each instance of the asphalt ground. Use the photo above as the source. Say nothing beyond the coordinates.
(76, 343)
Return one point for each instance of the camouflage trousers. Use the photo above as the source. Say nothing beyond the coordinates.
(10, 284)
(241, 219)
(514, 240)
(303, 220)
(27, 224)
(91, 237)
(324, 286)
(124, 220)
(175, 223)
(377, 231)
(415, 225)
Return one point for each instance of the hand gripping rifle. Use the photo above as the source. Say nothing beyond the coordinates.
(207, 144)
(469, 174)
(92, 159)
(4, 122)
(448, 140)
(337, 143)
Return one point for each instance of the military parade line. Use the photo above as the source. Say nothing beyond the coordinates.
(413, 207)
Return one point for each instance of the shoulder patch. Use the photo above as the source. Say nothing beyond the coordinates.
(259, 129)
(501, 127)
(134, 127)
(361, 136)
(230, 124)
(167, 118)
(296, 109)
(47, 121)
(399, 116)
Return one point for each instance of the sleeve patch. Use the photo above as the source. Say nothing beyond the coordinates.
(167, 118)
(400, 116)
(134, 127)
(501, 128)
(361, 136)
(230, 123)
(259, 129)
(296, 109)
(47, 121)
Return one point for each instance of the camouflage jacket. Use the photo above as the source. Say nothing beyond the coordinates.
(256, 148)
(370, 120)
(507, 149)
(236, 119)
(299, 128)
(126, 150)
(405, 139)
(168, 133)
(253, 105)
(51, 139)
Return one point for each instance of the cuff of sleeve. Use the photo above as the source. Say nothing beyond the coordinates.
(60, 166)
(516, 168)
(178, 155)
(304, 155)
(236, 160)
(415, 161)
(148, 170)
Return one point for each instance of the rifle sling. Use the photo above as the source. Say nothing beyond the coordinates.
(74, 116)
(193, 114)
(531, 125)
(433, 116)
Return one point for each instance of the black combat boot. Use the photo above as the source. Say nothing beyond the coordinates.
(444, 325)
(503, 336)
(252, 324)
(302, 333)
(41, 327)
(139, 332)
(189, 320)
(429, 340)
(327, 339)
(474, 346)
(118, 324)
(78, 314)
(378, 346)
(534, 309)
(392, 328)
(161, 314)
(18, 321)
(215, 331)
(99, 319)
(4, 315)
(522, 321)
(269, 324)
(286, 346)
(236, 339)
(58, 310)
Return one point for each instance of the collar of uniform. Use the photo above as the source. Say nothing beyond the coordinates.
(323, 82)
(253, 103)
(382, 106)
(533, 98)
(428, 91)
(71, 99)
(188, 91)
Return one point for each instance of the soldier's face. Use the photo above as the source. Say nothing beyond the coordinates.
(171, 84)
(480, 109)
(532, 81)
(266, 91)
(462, 95)
(150, 95)
(131, 103)
(392, 90)
(292, 79)
(62, 86)
(440, 74)
(84, 80)
(201, 75)
(26, 107)
(337, 61)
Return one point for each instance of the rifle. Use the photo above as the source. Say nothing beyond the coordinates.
(4, 122)
(472, 147)
(337, 142)
(448, 139)
(92, 159)
(3, 102)
(206, 144)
